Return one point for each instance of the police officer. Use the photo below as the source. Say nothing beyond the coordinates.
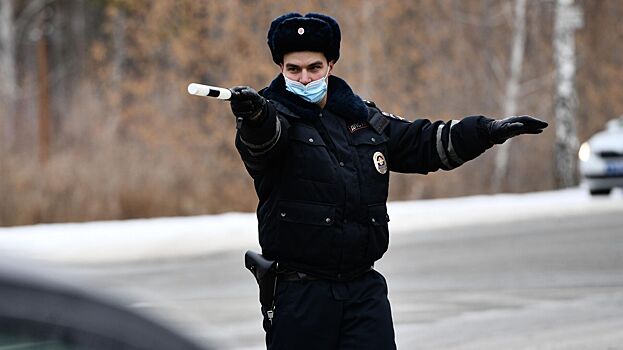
(320, 159)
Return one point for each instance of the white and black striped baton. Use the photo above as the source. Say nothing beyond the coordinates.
(209, 91)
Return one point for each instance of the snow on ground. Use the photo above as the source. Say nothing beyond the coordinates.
(161, 238)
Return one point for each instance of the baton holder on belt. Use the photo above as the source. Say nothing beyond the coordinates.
(265, 273)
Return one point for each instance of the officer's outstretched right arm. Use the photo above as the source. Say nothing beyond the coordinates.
(261, 133)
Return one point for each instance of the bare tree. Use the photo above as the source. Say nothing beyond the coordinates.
(367, 12)
(44, 92)
(8, 82)
(118, 60)
(568, 18)
(512, 90)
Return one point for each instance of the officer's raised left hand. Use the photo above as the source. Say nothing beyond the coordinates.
(502, 130)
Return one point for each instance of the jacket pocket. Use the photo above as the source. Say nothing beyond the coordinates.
(378, 214)
(374, 161)
(308, 155)
(378, 232)
(307, 213)
(306, 232)
(366, 137)
(306, 135)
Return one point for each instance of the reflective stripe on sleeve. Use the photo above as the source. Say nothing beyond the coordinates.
(258, 150)
(440, 149)
(455, 157)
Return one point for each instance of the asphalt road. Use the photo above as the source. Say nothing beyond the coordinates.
(549, 284)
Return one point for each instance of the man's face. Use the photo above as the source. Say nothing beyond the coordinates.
(305, 66)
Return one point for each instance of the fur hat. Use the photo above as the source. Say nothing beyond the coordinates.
(313, 32)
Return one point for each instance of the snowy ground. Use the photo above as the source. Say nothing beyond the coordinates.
(527, 271)
(135, 240)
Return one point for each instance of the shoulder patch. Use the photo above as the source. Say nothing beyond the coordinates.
(377, 120)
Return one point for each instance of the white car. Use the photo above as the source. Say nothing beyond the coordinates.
(601, 159)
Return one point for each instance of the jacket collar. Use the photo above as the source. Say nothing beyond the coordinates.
(341, 100)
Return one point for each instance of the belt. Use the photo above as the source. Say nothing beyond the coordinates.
(290, 276)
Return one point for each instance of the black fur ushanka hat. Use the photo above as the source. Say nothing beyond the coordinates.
(313, 32)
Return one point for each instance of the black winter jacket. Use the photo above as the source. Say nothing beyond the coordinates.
(321, 184)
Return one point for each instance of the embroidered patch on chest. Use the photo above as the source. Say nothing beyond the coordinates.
(357, 126)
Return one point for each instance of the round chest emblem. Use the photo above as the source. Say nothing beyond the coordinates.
(379, 162)
(301, 31)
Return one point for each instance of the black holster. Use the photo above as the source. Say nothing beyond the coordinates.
(265, 273)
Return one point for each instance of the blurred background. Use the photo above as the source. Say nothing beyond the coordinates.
(96, 123)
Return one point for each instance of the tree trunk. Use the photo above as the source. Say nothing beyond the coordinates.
(365, 53)
(8, 83)
(116, 76)
(44, 97)
(8, 89)
(512, 91)
(567, 19)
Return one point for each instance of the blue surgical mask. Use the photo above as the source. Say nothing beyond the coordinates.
(312, 92)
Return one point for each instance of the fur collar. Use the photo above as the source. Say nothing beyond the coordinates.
(341, 100)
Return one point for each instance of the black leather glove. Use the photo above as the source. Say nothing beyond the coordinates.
(247, 104)
(502, 130)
